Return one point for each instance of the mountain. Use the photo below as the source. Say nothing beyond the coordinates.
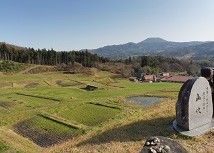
(150, 46)
(205, 50)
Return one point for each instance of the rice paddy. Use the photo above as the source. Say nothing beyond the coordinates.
(51, 112)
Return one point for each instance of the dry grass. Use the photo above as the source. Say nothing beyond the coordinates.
(18, 142)
(127, 135)
(130, 135)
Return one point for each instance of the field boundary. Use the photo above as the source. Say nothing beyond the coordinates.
(68, 84)
(35, 96)
(47, 83)
(76, 81)
(104, 105)
(4, 108)
(63, 121)
(109, 85)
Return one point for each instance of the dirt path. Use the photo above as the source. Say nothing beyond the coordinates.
(30, 68)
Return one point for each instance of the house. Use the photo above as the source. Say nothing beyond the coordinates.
(164, 74)
(148, 78)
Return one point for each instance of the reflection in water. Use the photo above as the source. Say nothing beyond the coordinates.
(144, 100)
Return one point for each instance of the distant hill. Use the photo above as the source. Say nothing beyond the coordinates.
(150, 46)
(13, 46)
(202, 51)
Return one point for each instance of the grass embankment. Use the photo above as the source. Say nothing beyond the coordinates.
(89, 121)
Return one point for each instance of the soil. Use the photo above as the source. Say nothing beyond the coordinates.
(32, 85)
(41, 137)
(67, 84)
(6, 105)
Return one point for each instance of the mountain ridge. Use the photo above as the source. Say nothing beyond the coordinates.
(149, 46)
(153, 46)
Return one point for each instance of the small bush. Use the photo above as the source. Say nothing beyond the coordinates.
(9, 66)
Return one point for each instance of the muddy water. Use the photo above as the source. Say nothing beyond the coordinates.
(144, 100)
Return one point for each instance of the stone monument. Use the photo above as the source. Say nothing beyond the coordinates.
(194, 108)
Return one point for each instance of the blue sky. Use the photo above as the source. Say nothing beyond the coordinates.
(80, 24)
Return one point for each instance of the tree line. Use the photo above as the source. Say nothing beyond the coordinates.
(49, 57)
(156, 64)
(125, 67)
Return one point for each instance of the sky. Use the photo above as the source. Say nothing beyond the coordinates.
(66, 25)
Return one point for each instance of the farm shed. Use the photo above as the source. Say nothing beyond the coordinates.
(91, 87)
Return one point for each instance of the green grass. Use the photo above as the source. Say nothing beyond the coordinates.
(89, 114)
(75, 105)
(44, 124)
(72, 99)
(18, 102)
(3, 147)
(67, 83)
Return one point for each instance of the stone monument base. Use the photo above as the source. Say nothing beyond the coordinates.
(194, 132)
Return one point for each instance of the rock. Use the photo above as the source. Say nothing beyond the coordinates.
(164, 145)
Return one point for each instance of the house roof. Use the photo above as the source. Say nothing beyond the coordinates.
(147, 77)
(177, 79)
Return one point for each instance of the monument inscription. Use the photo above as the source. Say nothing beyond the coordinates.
(200, 104)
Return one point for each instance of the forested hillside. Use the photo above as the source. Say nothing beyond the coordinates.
(48, 57)
(202, 51)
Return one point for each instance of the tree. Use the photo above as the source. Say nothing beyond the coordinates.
(147, 69)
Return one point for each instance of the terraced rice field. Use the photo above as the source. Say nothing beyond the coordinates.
(89, 114)
(24, 97)
(51, 112)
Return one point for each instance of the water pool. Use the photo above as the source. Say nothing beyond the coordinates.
(144, 100)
